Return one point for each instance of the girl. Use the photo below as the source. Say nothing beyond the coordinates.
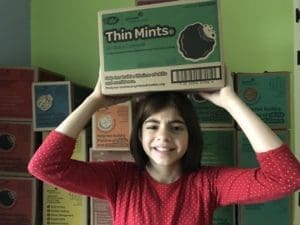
(166, 184)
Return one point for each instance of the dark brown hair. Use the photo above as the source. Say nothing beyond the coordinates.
(156, 102)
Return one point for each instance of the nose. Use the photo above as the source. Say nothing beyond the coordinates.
(163, 134)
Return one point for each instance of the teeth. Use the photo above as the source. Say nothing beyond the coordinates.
(162, 149)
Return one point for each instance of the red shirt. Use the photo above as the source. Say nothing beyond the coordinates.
(136, 198)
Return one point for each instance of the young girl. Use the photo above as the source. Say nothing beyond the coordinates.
(167, 185)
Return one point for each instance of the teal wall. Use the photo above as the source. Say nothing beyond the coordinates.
(257, 35)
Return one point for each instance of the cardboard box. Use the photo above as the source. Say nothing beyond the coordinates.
(111, 127)
(17, 143)
(158, 48)
(54, 101)
(17, 201)
(61, 206)
(267, 94)
(15, 90)
(219, 149)
(100, 209)
(210, 115)
(277, 212)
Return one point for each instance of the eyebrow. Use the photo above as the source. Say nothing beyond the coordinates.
(156, 121)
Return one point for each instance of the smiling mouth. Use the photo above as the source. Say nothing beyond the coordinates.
(163, 149)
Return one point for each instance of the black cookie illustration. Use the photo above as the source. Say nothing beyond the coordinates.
(197, 41)
(7, 198)
(7, 142)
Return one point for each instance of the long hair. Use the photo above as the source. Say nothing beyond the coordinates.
(155, 102)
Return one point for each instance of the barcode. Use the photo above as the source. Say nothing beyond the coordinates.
(196, 74)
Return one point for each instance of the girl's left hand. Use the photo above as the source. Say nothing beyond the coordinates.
(222, 96)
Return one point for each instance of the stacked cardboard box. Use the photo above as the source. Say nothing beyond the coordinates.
(219, 149)
(61, 206)
(52, 102)
(18, 201)
(18, 190)
(267, 94)
(17, 146)
(277, 212)
(111, 127)
(100, 209)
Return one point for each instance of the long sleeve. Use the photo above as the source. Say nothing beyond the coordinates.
(51, 156)
(278, 175)
(52, 164)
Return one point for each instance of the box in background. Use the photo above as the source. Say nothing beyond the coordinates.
(100, 209)
(219, 149)
(17, 144)
(277, 212)
(18, 201)
(61, 206)
(54, 101)
(15, 90)
(149, 48)
(82, 145)
(267, 94)
(210, 115)
(111, 127)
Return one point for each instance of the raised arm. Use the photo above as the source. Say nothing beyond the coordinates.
(52, 162)
(278, 173)
(76, 121)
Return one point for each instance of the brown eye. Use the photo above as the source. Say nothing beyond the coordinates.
(151, 127)
(177, 128)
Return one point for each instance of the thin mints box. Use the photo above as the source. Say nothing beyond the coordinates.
(160, 47)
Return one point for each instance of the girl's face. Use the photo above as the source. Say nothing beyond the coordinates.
(164, 138)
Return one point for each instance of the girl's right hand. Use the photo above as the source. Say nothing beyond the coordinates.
(105, 100)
